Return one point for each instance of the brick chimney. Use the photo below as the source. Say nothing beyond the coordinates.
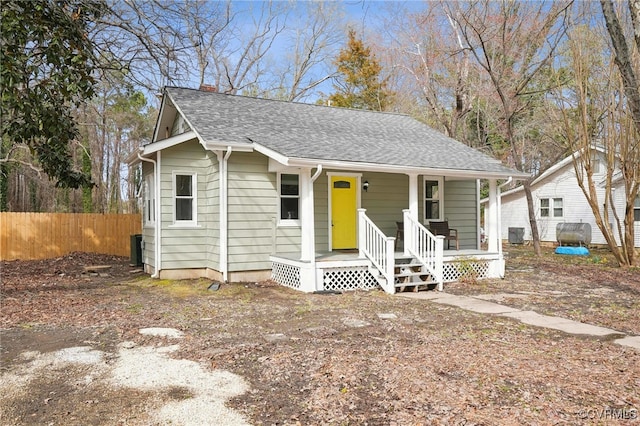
(208, 88)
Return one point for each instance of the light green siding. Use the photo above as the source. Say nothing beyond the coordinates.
(253, 211)
(387, 196)
(148, 230)
(197, 246)
(461, 210)
(253, 229)
(321, 212)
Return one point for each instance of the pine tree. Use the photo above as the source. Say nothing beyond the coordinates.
(359, 85)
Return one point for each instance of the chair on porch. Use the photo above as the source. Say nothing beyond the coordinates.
(399, 234)
(442, 228)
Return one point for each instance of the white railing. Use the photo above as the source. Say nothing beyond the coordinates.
(378, 248)
(424, 246)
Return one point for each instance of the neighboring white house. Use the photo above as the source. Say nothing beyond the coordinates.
(558, 198)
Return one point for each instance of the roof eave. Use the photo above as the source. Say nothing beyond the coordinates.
(168, 143)
(390, 168)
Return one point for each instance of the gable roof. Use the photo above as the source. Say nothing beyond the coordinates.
(560, 165)
(298, 133)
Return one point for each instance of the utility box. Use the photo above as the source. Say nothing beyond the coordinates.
(136, 250)
(516, 235)
(573, 233)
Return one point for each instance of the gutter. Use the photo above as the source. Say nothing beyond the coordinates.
(156, 231)
(224, 212)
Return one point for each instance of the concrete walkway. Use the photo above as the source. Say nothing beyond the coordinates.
(527, 317)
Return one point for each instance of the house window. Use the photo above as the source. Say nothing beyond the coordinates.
(289, 188)
(432, 199)
(636, 210)
(184, 185)
(149, 200)
(551, 207)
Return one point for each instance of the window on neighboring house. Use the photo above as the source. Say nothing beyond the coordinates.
(551, 207)
(432, 199)
(149, 200)
(185, 198)
(636, 210)
(289, 189)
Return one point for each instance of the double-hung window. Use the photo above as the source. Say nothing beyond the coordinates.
(551, 207)
(432, 198)
(289, 191)
(184, 192)
(636, 210)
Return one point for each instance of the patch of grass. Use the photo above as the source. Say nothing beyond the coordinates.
(303, 309)
(468, 270)
(177, 288)
(134, 308)
(237, 291)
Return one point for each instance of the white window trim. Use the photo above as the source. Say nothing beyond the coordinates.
(288, 223)
(149, 208)
(551, 207)
(440, 180)
(636, 206)
(194, 187)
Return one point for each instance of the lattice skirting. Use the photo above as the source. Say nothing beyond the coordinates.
(457, 269)
(286, 275)
(348, 278)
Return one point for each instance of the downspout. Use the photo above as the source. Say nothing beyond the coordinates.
(499, 231)
(312, 243)
(224, 222)
(316, 174)
(156, 231)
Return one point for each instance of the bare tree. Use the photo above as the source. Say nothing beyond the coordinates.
(599, 111)
(312, 43)
(625, 57)
(431, 62)
(513, 43)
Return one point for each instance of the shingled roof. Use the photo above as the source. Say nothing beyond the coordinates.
(327, 134)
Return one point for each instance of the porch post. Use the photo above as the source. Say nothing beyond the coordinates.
(491, 217)
(307, 237)
(413, 196)
(308, 279)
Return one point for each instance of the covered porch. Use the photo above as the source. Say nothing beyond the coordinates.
(420, 261)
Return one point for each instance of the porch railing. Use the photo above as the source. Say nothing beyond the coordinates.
(378, 248)
(424, 246)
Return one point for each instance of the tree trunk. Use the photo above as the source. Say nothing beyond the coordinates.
(533, 223)
(623, 55)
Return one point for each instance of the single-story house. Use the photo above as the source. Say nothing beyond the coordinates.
(558, 199)
(243, 189)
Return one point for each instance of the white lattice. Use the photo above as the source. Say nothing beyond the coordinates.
(453, 271)
(287, 275)
(349, 278)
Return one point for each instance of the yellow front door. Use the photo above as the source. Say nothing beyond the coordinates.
(343, 212)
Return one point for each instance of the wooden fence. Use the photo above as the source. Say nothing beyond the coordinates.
(28, 236)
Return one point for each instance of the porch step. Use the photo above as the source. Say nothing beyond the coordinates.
(410, 276)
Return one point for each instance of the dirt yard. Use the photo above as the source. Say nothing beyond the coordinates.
(255, 353)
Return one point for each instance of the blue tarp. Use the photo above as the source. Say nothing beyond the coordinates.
(573, 251)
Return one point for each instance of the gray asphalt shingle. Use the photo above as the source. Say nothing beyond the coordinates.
(297, 130)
